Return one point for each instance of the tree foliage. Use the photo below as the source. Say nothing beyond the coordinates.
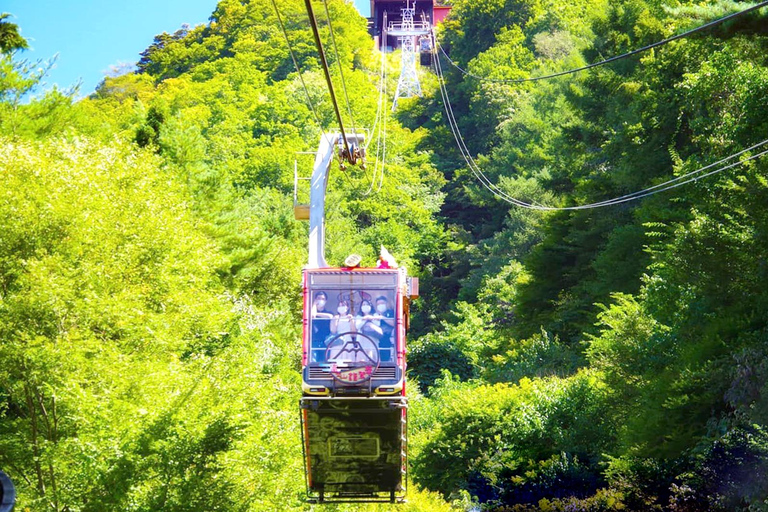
(150, 266)
(659, 297)
(10, 38)
(607, 359)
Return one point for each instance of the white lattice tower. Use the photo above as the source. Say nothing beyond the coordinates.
(408, 85)
(408, 14)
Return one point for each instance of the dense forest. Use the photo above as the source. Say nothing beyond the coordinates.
(613, 358)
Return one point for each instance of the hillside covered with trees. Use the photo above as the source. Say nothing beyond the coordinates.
(610, 358)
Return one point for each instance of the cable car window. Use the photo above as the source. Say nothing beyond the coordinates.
(356, 279)
(352, 319)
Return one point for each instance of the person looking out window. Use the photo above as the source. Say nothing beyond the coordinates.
(321, 326)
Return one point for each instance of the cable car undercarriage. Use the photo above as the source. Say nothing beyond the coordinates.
(354, 449)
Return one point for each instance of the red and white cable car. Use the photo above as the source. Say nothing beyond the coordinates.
(353, 405)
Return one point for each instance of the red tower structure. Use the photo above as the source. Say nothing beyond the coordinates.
(384, 12)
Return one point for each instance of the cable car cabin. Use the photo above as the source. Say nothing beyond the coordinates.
(354, 407)
(354, 332)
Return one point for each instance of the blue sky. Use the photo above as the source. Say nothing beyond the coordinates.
(91, 36)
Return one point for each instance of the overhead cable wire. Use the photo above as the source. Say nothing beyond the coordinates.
(341, 70)
(326, 71)
(691, 176)
(650, 192)
(661, 187)
(301, 78)
(701, 28)
(462, 147)
(674, 183)
(376, 134)
(688, 177)
(298, 70)
(378, 119)
(381, 140)
(385, 118)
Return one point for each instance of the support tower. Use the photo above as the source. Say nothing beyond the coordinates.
(408, 85)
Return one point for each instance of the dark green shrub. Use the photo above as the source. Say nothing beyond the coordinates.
(732, 474)
(426, 360)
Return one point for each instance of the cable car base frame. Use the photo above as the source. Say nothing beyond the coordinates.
(355, 450)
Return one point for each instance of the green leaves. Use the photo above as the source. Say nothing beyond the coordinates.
(659, 297)
(492, 435)
(608, 359)
(150, 266)
(10, 39)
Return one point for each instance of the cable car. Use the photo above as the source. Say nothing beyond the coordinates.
(354, 406)
(425, 51)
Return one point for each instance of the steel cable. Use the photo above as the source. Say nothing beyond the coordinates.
(661, 187)
(609, 60)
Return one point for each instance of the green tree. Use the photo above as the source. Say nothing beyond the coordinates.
(10, 38)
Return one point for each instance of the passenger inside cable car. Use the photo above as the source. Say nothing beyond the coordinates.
(321, 326)
(343, 321)
(378, 325)
(387, 325)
